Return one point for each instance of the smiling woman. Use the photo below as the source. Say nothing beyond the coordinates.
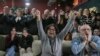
(52, 24)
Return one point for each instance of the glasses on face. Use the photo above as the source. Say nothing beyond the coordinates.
(85, 29)
(52, 29)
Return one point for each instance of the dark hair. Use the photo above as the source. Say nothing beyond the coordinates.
(26, 30)
(93, 13)
(11, 29)
(97, 14)
(46, 29)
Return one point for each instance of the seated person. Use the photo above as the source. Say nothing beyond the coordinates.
(85, 44)
(51, 39)
(25, 43)
(11, 43)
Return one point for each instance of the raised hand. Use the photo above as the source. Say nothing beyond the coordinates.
(61, 12)
(85, 37)
(38, 14)
(89, 35)
(72, 15)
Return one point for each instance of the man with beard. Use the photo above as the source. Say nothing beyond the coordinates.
(85, 44)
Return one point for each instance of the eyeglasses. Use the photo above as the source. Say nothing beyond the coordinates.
(52, 29)
(85, 29)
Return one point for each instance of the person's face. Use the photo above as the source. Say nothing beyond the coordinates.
(33, 11)
(46, 12)
(6, 9)
(53, 12)
(67, 8)
(61, 12)
(86, 11)
(25, 33)
(51, 31)
(96, 32)
(18, 13)
(85, 29)
(11, 12)
(13, 31)
(26, 11)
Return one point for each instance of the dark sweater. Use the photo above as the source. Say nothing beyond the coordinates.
(26, 42)
(9, 43)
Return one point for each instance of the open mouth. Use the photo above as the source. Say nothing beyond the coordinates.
(51, 33)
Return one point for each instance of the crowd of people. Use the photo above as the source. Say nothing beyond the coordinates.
(52, 28)
(23, 18)
(22, 44)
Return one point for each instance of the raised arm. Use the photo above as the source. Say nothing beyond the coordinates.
(68, 26)
(40, 26)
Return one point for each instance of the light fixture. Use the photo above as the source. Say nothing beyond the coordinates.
(27, 4)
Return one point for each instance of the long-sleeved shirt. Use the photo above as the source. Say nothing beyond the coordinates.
(79, 49)
(26, 42)
(9, 43)
(56, 48)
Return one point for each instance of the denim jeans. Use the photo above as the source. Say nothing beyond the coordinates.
(10, 51)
